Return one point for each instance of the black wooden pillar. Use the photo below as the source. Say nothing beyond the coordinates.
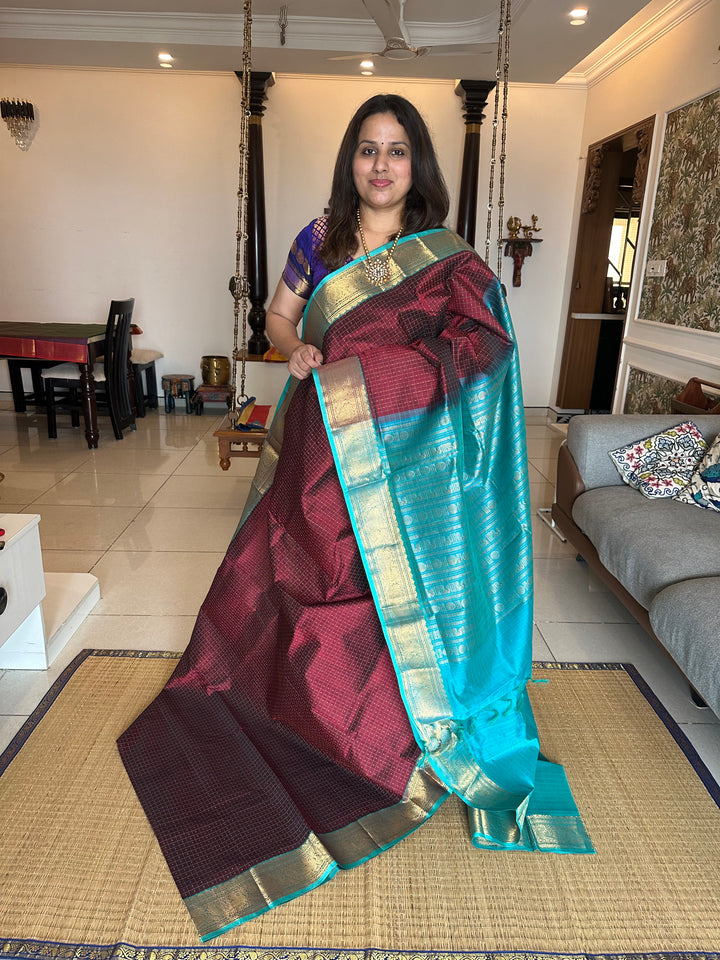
(258, 343)
(474, 95)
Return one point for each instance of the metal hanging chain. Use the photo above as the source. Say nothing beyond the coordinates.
(503, 138)
(502, 69)
(241, 285)
(493, 149)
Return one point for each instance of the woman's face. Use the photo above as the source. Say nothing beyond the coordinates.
(382, 170)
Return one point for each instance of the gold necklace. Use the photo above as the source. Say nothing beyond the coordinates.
(377, 269)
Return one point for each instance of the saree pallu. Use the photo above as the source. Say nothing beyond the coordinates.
(366, 643)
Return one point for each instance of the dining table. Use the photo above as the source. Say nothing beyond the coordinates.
(80, 343)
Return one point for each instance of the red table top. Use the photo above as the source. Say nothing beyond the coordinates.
(49, 341)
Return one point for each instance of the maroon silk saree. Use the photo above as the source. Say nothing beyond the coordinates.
(364, 648)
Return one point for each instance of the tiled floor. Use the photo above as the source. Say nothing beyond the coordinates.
(152, 515)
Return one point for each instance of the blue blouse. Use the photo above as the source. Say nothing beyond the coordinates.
(304, 269)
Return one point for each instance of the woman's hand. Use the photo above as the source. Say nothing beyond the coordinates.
(303, 359)
(281, 322)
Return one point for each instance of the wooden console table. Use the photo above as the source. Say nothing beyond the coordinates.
(238, 443)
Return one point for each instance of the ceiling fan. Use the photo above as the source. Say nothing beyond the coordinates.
(389, 17)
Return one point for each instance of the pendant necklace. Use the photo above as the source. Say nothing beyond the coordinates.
(377, 269)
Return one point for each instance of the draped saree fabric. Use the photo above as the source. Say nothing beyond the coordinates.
(365, 646)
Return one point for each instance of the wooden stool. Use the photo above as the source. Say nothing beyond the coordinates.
(207, 392)
(249, 443)
(178, 385)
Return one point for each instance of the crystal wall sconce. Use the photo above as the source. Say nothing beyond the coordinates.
(19, 115)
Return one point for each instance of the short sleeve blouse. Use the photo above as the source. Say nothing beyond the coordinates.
(304, 269)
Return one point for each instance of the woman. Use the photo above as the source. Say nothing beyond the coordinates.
(365, 645)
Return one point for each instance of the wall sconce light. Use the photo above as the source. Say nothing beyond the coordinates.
(519, 247)
(19, 115)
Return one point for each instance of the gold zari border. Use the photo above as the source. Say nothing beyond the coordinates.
(349, 287)
(286, 876)
(351, 425)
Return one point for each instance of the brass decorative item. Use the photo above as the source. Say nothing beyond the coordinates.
(514, 224)
(215, 371)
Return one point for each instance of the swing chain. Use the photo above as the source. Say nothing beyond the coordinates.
(502, 69)
(241, 283)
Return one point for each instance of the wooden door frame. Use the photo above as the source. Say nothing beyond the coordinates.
(590, 266)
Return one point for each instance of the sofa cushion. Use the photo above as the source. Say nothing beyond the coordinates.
(591, 437)
(684, 617)
(661, 465)
(648, 544)
(704, 487)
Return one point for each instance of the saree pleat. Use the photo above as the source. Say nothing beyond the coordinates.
(365, 645)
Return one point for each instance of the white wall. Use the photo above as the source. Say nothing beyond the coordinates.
(129, 189)
(675, 69)
(543, 166)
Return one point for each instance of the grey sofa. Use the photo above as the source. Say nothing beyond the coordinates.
(661, 558)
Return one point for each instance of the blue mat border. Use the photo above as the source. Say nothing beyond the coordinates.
(22, 949)
(21, 737)
(47, 950)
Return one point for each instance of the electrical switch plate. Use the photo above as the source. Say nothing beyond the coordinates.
(656, 268)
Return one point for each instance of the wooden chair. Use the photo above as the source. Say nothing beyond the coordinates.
(111, 375)
(145, 396)
(21, 398)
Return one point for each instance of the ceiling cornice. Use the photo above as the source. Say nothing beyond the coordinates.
(613, 55)
(304, 33)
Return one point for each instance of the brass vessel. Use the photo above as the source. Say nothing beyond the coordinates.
(215, 371)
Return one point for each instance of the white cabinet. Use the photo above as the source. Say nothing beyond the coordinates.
(21, 579)
(38, 612)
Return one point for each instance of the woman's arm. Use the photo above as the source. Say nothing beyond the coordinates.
(281, 321)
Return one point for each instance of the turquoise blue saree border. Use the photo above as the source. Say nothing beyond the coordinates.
(448, 728)
(498, 815)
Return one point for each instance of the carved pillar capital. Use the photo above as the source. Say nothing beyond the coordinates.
(474, 95)
(259, 83)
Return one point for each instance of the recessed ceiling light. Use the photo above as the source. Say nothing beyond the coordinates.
(167, 66)
(367, 64)
(578, 12)
(577, 23)
(165, 56)
(367, 73)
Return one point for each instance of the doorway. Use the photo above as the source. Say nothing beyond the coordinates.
(604, 262)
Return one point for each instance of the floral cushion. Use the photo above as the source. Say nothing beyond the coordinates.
(704, 487)
(661, 465)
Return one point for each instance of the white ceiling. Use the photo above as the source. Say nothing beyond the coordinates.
(207, 35)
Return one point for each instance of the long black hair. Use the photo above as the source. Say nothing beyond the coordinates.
(427, 202)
